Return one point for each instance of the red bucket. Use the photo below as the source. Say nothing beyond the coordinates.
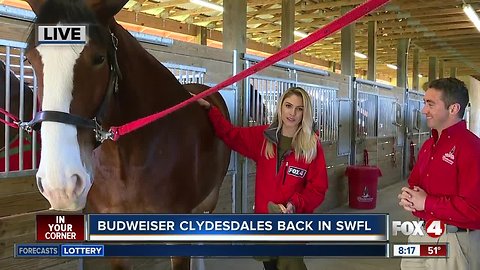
(362, 186)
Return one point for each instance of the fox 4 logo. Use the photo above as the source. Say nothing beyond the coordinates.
(434, 228)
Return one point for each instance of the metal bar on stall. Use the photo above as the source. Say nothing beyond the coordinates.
(335, 105)
(353, 94)
(263, 107)
(286, 65)
(245, 118)
(330, 115)
(35, 145)
(21, 111)
(377, 118)
(255, 98)
(331, 102)
(269, 95)
(187, 77)
(7, 108)
(372, 83)
(323, 117)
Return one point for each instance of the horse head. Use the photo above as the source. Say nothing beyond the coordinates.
(70, 77)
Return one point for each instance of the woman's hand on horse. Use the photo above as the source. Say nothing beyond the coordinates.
(205, 104)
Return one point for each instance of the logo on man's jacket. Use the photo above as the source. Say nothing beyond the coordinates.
(449, 157)
(296, 171)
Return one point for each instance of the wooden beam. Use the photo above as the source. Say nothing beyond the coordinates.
(419, 29)
(171, 3)
(154, 22)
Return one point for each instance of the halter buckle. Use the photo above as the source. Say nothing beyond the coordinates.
(100, 134)
(26, 126)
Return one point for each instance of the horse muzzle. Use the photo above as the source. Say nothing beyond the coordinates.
(70, 197)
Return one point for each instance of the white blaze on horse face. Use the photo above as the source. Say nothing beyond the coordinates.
(62, 178)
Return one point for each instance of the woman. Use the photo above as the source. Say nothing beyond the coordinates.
(291, 172)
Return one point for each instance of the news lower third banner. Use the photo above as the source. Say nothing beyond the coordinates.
(209, 250)
(240, 227)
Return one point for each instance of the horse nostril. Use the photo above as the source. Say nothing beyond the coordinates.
(79, 184)
(39, 184)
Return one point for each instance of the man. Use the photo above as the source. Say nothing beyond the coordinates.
(445, 182)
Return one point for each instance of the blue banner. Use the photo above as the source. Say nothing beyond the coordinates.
(208, 250)
(36, 250)
(243, 227)
(82, 250)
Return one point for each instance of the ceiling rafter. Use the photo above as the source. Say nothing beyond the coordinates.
(436, 27)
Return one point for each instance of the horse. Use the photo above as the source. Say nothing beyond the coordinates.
(258, 110)
(174, 165)
(14, 105)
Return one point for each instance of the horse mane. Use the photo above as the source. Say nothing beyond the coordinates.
(157, 78)
(258, 110)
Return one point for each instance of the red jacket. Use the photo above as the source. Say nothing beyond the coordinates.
(302, 184)
(449, 172)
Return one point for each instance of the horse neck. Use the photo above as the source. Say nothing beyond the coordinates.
(146, 82)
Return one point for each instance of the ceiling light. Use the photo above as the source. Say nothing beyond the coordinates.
(391, 66)
(472, 15)
(361, 55)
(300, 34)
(208, 4)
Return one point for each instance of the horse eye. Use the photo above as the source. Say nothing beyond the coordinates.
(98, 59)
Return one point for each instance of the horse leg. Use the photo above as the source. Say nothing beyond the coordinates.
(180, 263)
(206, 206)
(209, 203)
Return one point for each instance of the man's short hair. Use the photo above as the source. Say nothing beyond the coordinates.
(453, 91)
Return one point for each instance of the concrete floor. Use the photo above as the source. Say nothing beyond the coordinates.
(387, 202)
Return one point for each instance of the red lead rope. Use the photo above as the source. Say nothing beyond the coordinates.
(12, 117)
(321, 33)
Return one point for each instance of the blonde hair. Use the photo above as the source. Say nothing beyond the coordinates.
(304, 142)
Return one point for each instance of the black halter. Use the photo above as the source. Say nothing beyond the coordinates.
(79, 121)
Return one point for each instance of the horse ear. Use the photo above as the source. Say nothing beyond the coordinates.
(36, 5)
(106, 9)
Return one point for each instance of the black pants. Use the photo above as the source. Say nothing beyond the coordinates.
(270, 265)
